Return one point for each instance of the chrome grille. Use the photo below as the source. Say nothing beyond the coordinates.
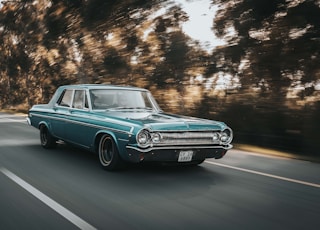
(187, 138)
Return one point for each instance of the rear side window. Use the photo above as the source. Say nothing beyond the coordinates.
(65, 98)
(80, 100)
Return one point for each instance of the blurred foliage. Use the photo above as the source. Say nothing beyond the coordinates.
(265, 82)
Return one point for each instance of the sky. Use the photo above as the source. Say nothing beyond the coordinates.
(199, 26)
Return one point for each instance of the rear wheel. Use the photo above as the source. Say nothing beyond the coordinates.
(46, 139)
(108, 154)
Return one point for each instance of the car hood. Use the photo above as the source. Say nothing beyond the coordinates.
(165, 121)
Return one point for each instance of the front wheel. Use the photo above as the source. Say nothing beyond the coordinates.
(46, 139)
(108, 154)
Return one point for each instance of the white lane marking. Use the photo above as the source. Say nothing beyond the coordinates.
(6, 119)
(48, 201)
(12, 121)
(265, 174)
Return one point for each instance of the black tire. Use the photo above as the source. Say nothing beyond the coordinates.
(109, 155)
(46, 139)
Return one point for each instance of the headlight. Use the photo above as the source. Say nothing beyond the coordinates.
(143, 138)
(155, 137)
(215, 137)
(226, 136)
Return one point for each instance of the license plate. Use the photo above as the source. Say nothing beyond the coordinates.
(185, 156)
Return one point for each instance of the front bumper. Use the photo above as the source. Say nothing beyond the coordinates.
(171, 154)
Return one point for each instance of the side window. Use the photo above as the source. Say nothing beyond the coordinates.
(65, 99)
(80, 100)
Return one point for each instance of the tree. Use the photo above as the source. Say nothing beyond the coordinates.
(21, 27)
(279, 40)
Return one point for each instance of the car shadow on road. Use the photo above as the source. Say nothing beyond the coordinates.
(72, 169)
(85, 167)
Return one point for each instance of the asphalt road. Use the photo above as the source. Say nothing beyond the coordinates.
(66, 188)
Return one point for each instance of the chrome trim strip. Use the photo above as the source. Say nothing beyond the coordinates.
(121, 139)
(178, 148)
(84, 124)
(183, 130)
(70, 113)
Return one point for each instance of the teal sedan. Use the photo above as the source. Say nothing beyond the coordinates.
(125, 124)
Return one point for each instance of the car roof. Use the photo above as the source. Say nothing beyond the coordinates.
(101, 86)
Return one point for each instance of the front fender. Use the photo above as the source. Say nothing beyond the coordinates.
(120, 142)
(46, 124)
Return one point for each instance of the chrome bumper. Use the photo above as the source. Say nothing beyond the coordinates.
(227, 147)
(171, 153)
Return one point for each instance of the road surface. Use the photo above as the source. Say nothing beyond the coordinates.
(66, 188)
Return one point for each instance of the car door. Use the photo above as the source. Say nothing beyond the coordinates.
(79, 129)
(61, 114)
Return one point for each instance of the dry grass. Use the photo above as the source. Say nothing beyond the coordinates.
(276, 153)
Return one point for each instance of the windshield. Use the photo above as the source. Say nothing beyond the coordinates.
(112, 99)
